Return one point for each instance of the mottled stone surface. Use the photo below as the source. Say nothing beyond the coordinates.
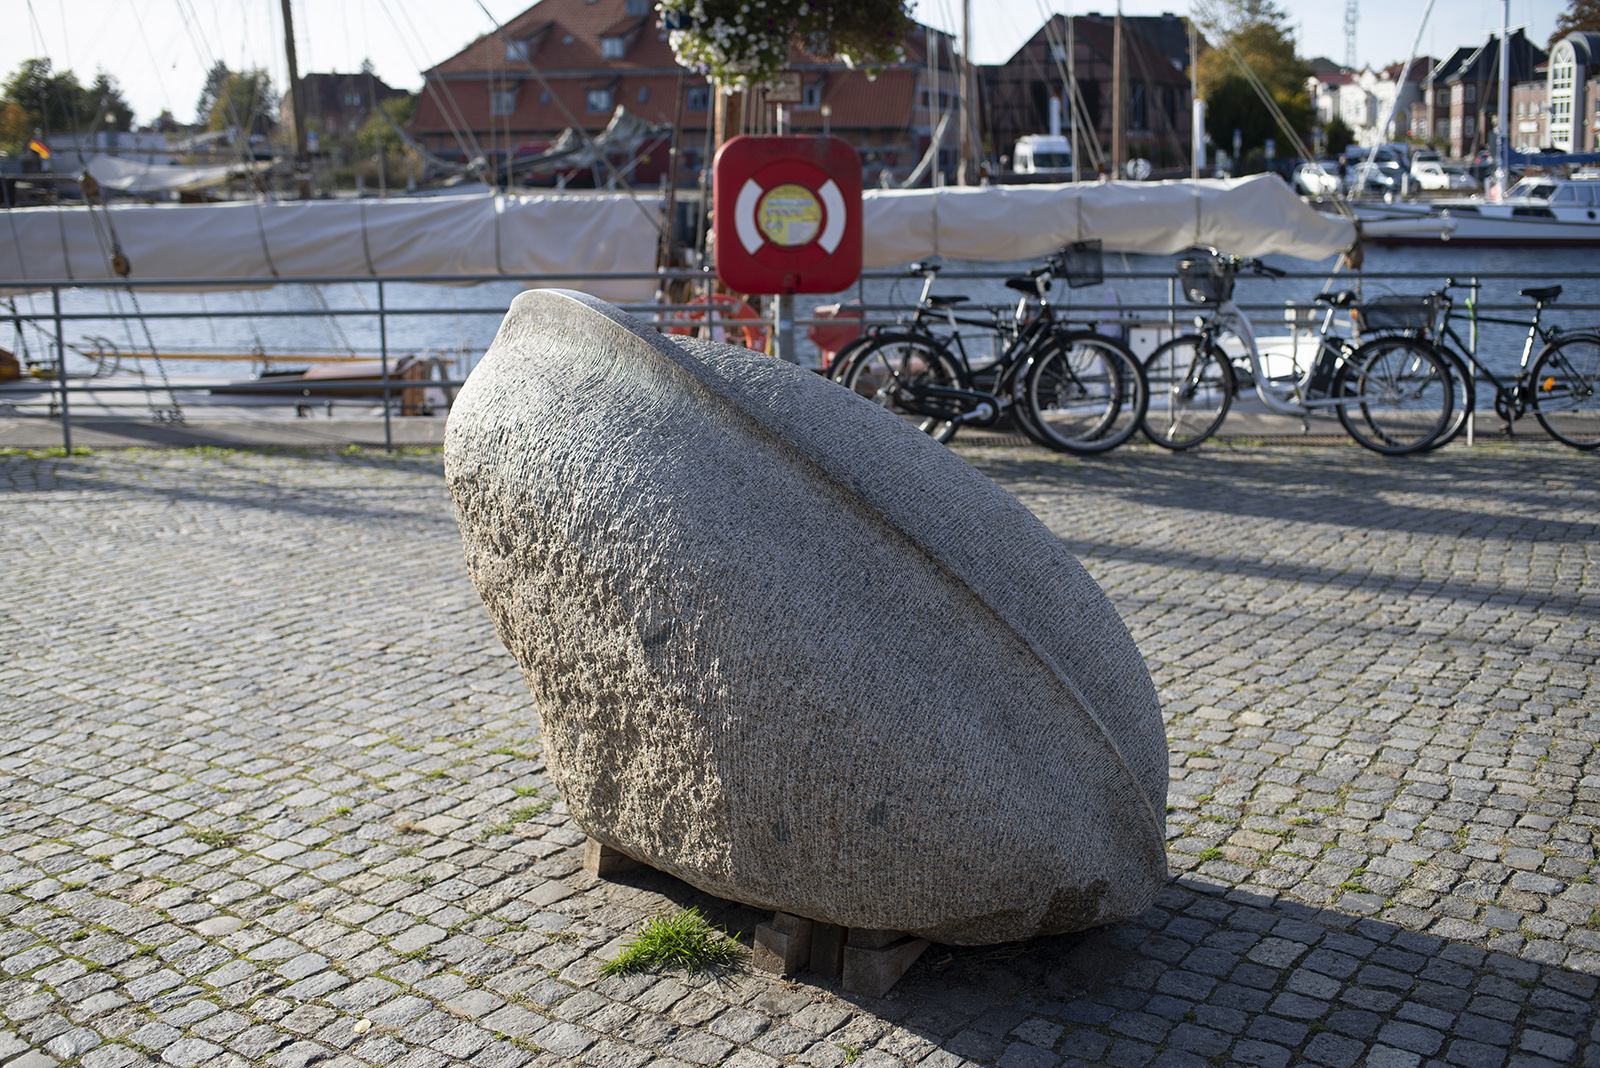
(794, 652)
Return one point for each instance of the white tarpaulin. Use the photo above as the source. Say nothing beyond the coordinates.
(130, 176)
(999, 223)
(446, 236)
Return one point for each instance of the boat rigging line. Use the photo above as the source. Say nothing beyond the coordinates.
(577, 127)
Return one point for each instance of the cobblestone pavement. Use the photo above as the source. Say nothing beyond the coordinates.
(271, 792)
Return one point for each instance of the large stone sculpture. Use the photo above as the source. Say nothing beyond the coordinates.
(794, 652)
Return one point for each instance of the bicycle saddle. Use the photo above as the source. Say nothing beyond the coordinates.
(1025, 285)
(1541, 293)
(946, 301)
(1342, 299)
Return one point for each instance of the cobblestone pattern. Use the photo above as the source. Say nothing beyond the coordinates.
(270, 792)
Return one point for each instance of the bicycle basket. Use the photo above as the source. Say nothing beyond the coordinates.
(1397, 313)
(1082, 264)
(1205, 281)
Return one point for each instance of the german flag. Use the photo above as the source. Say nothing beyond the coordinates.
(38, 146)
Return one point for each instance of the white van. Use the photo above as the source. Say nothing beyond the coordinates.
(1042, 154)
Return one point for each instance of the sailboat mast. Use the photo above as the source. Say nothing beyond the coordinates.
(1119, 104)
(1071, 88)
(297, 94)
(1502, 147)
(964, 172)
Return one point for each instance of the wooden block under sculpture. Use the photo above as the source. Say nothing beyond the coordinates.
(793, 651)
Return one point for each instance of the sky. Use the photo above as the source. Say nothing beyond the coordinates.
(159, 50)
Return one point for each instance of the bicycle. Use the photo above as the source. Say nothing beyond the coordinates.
(1559, 387)
(1074, 391)
(1388, 397)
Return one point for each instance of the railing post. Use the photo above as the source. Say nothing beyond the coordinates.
(61, 371)
(1472, 364)
(383, 355)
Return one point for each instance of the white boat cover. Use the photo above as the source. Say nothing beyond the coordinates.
(130, 176)
(603, 233)
(995, 224)
(484, 234)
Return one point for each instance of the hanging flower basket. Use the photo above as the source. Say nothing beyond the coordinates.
(743, 43)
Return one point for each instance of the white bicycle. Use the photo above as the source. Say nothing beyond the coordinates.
(1390, 396)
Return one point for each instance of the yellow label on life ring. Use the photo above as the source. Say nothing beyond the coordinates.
(789, 215)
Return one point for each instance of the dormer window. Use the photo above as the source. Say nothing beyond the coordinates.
(636, 8)
(516, 51)
(613, 47)
(811, 95)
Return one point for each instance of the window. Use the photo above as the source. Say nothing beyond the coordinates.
(636, 8)
(598, 99)
(613, 47)
(516, 51)
(1058, 53)
(544, 97)
(352, 100)
(811, 95)
(698, 98)
(644, 93)
(944, 99)
(1472, 94)
(1469, 126)
(502, 101)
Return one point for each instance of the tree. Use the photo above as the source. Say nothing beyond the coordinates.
(106, 101)
(53, 102)
(741, 43)
(244, 100)
(377, 135)
(1580, 15)
(216, 78)
(1258, 31)
(1339, 135)
(15, 129)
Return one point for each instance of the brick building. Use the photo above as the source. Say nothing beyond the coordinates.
(1158, 99)
(599, 55)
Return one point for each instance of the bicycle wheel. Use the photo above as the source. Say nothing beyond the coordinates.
(1395, 395)
(1566, 390)
(1191, 390)
(1085, 393)
(841, 359)
(895, 362)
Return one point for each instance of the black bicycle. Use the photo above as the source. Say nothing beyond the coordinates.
(1072, 390)
(1560, 386)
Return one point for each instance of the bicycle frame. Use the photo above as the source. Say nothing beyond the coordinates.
(1228, 317)
(1511, 397)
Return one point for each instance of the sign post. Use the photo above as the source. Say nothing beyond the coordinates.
(788, 220)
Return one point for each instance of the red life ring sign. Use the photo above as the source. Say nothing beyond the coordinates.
(787, 214)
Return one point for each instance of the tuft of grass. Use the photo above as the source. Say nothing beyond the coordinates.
(682, 939)
(1594, 921)
(527, 812)
(850, 1052)
(436, 773)
(525, 791)
(495, 830)
(214, 838)
(1211, 853)
(343, 810)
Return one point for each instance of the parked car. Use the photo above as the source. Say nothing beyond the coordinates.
(1317, 179)
(1435, 177)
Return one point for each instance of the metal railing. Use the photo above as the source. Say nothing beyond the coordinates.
(1162, 316)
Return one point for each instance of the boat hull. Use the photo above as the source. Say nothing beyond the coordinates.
(1482, 228)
